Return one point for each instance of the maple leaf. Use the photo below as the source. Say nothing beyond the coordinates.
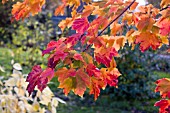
(115, 27)
(113, 41)
(164, 105)
(51, 46)
(23, 9)
(92, 31)
(92, 70)
(113, 9)
(104, 55)
(164, 25)
(145, 23)
(33, 78)
(128, 17)
(88, 9)
(54, 45)
(65, 23)
(44, 78)
(87, 58)
(72, 40)
(77, 81)
(82, 81)
(80, 25)
(95, 85)
(163, 86)
(60, 10)
(147, 40)
(78, 57)
(57, 49)
(110, 75)
(56, 57)
(39, 77)
(65, 77)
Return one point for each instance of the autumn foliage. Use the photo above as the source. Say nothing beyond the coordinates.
(78, 70)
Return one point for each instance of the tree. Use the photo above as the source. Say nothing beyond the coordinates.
(92, 65)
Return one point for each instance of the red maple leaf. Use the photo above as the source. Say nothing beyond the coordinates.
(80, 25)
(164, 25)
(164, 106)
(92, 70)
(104, 55)
(39, 77)
(72, 40)
(53, 45)
(147, 40)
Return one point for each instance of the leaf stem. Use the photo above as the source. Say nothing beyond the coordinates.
(112, 22)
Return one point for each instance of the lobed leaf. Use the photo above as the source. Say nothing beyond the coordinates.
(164, 106)
(163, 86)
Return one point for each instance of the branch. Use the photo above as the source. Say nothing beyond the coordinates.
(112, 22)
(165, 8)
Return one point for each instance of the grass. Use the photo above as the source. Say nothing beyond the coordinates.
(162, 74)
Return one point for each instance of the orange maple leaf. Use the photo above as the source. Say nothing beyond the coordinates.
(80, 25)
(21, 10)
(95, 85)
(163, 86)
(65, 23)
(88, 9)
(104, 55)
(110, 75)
(146, 40)
(70, 79)
(60, 10)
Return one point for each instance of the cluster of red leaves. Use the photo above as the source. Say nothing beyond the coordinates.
(78, 70)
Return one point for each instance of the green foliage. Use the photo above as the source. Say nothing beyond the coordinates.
(6, 56)
(26, 40)
(162, 74)
(5, 24)
(30, 38)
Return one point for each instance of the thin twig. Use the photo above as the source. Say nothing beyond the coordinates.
(165, 8)
(112, 22)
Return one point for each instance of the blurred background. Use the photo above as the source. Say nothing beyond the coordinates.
(21, 44)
